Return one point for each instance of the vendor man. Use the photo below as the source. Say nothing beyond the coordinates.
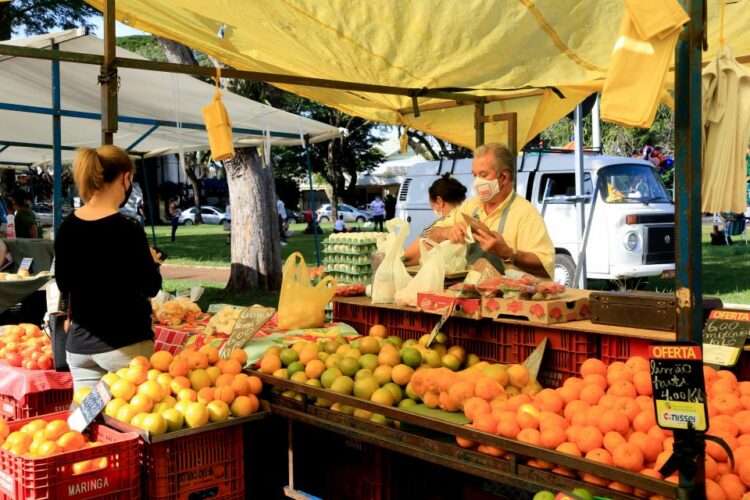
(518, 235)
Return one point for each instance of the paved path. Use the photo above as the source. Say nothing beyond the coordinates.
(195, 273)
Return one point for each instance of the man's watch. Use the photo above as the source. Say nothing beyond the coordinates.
(513, 257)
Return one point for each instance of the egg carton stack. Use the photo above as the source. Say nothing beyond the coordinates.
(348, 256)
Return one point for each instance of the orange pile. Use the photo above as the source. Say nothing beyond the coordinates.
(39, 438)
(607, 415)
(26, 346)
(191, 389)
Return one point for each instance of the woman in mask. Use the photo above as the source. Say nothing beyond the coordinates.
(445, 195)
(515, 236)
(104, 266)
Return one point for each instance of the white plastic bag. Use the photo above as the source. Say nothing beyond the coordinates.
(391, 275)
(430, 278)
(454, 254)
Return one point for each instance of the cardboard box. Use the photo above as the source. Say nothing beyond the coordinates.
(572, 306)
(439, 302)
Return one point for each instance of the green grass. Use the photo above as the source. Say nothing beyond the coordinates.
(726, 270)
(205, 244)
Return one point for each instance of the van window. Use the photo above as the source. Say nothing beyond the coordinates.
(564, 185)
(632, 184)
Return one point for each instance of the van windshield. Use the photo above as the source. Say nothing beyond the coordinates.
(632, 184)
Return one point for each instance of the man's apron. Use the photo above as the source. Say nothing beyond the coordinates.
(475, 252)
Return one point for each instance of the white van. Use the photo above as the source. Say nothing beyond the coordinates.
(632, 232)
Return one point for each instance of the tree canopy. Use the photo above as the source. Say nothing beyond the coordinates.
(35, 17)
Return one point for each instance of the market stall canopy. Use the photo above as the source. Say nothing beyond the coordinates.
(513, 51)
(144, 97)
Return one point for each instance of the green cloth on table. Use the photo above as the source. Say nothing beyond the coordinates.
(257, 346)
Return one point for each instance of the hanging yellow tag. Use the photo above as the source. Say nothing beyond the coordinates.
(218, 126)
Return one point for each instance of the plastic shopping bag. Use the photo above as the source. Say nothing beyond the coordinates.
(391, 275)
(302, 305)
(454, 254)
(430, 278)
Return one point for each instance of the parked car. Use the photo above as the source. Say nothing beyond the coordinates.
(632, 235)
(209, 214)
(294, 217)
(350, 213)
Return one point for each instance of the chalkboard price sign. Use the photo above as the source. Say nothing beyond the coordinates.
(91, 406)
(724, 336)
(679, 388)
(248, 323)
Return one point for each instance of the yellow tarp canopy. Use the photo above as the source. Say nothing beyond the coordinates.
(511, 50)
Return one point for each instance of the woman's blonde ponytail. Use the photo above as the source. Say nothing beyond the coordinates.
(94, 168)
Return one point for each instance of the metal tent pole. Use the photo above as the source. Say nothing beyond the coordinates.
(56, 146)
(108, 76)
(148, 199)
(596, 125)
(580, 203)
(312, 197)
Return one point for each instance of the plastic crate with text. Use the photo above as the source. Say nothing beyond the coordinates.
(614, 348)
(204, 465)
(491, 341)
(35, 403)
(565, 353)
(62, 476)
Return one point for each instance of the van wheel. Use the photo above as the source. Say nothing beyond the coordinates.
(565, 269)
(360, 220)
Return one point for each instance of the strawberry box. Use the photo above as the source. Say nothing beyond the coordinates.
(439, 302)
(573, 305)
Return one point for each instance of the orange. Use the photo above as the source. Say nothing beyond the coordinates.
(188, 394)
(741, 454)
(178, 383)
(650, 473)
(649, 447)
(486, 388)
(254, 403)
(726, 403)
(611, 440)
(657, 433)
(462, 391)
(196, 415)
(569, 448)
(549, 400)
(569, 393)
(224, 379)
(445, 403)
(48, 448)
(314, 369)
(595, 379)
(589, 438)
(593, 366)
(732, 486)
(645, 402)
(152, 389)
(716, 451)
(269, 364)
(607, 401)
(725, 423)
(724, 386)
(598, 481)
(210, 352)
(507, 428)
(552, 437)
(530, 436)
(490, 450)
(518, 375)
(526, 420)
(123, 389)
(464, 442)
(628, 406)
(485, 422)
(239, 385)
(622, 389)
(161, 360)
(599, 455)
(475, 406)
(624, 488)
(742, 419)
(564, 471)
(241, 406)
(642, 383)
(638, 364)
(515, 402)
(579, 419)
(206, 395)
(724, 468)
(540, 464)
(668, 443)
(574, 407)
(613, 420)
(307, 354)
(53, 431)
(727, 375)
(744, 472)
(225, 394)
(140, 361)
(141, 403)
(714, 491)
(592, 393)
(573, 381)
(239, 356)
(628, 456)
(618, 374)
(432, 400)
(232, 366)
(594, 415)
(548, 419)
(254, 384)
(71, 441)
(572, 432)
(5, 430)
(644, 421)
(179, 367)
(137, 374)
(197, 360)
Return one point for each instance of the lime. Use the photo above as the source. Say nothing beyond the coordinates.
(295, 367)
(349, 366)
(343, 385)
(411, 357)
(288, 356)
(329, 376)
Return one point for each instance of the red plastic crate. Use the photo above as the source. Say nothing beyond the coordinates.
(34, 404)
(204, 465)
(53, 477)
(491, 341)
(614, 348)
(565, 353)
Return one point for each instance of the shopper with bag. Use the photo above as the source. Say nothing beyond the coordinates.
(104, 266)
(513, 234)
(445, 195)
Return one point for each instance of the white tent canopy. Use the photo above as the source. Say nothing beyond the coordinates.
(148, 95)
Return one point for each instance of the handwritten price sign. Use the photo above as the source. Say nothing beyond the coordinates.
(724, 336)
(247, 325)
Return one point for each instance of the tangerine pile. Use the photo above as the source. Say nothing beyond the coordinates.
(40, 438)
(195, 387)
(25, 345)
(607, 415)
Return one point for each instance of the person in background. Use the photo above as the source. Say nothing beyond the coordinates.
(228, 223)
(174, 217)
(281, 209)
(445, 195)
(140, 213)
(378, 212)
(27, 225)
(3, 217)
(517, 235)
(390, 206)
(339, 226)
(104, 265)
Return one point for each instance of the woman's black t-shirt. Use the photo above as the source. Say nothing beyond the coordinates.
(106, 267)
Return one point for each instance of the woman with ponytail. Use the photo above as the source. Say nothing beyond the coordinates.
(105, 267)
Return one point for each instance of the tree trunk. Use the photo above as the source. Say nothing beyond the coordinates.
(175, 52)
(256, 251)
(191, 162)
